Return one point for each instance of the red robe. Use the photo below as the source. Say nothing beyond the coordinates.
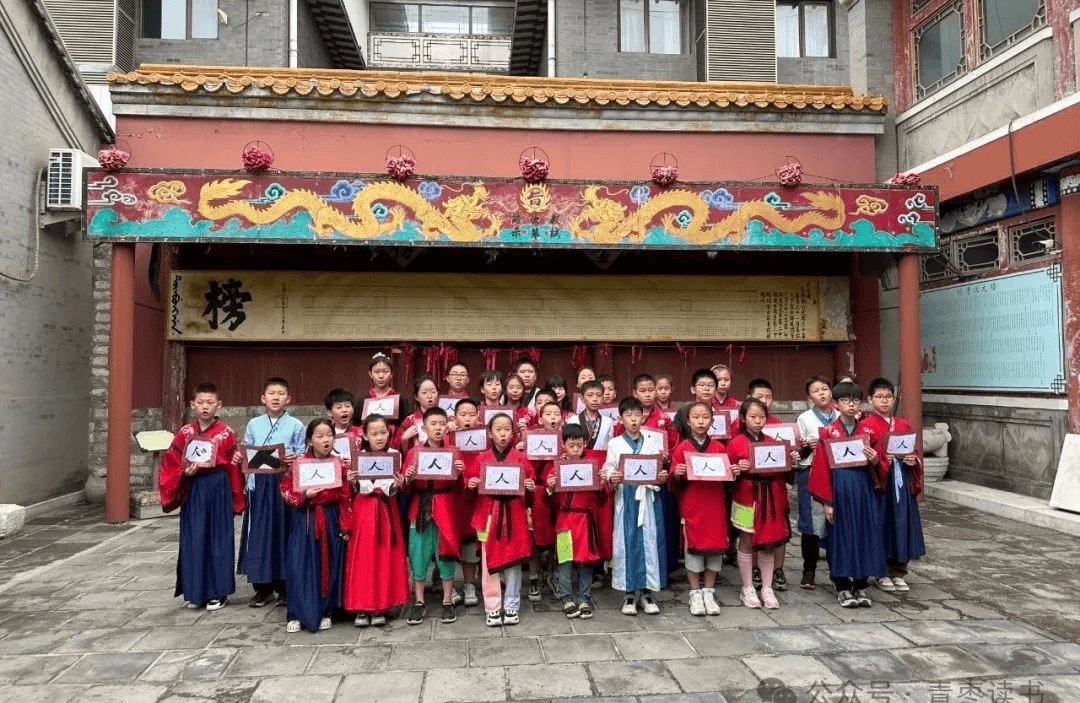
(576, 512)
(466, 497)
(768, 496)
(730, 403)
(605, 510)
(702, 504)
(819, 484)
(376, 564)
(173, 484)
(340, 496)
(391, 422)
(505, 518)
(416, 418)
(875, 426)
(444, 508)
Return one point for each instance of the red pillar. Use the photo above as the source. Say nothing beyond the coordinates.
(910, 356)
(1069, 242)
(121, 366)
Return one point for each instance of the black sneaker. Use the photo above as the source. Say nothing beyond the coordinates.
(570, 609)
(779, 580)
(415, 614)
(534, 590)
(216, 603)
(847, 600)
(449, 613)
(756, 577)
(261, 599)
(808, 580)
(585, 611)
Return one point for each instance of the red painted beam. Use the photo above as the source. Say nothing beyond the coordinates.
(121, 367)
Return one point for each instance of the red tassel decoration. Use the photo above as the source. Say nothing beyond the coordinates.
(490, 356)
(635, 353)
(408, 350)
(577, 356)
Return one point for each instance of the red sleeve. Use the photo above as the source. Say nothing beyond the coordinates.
(820, 482)
(678, 456)
(285, 487)
(406, 463)
(172, 486)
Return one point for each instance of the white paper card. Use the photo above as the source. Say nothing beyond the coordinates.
(770, 457)
(375, 467)
(314, 474)
(848, 451)
(502, 477)
(435, 464)
(474, 440)
(576, 475)
(199, 451)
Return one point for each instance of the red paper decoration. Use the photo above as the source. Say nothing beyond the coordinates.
(257, 157)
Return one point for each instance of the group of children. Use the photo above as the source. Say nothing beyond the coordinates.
(367, 545)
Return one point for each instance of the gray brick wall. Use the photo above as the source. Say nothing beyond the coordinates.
(587, 44)
(257, 35)
(45, 323)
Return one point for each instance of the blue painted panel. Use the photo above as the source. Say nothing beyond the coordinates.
(1001, 333)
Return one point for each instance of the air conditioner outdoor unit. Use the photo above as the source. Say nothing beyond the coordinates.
(64, 184)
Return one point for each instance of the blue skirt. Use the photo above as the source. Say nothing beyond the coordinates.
(856, 550)
(303, 572)
(639, 557)
(262, 539)
(903, 525)
(672, 528)
(204, 566)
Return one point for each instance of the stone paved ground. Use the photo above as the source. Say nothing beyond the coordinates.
(992, 617)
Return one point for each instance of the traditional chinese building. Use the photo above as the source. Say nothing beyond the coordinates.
(307, 268)
(987, 110)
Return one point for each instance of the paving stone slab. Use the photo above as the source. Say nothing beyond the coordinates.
(429, 655)
(939, 663)
(132, 693)
(167, 615)
(712, 674)
(464, 628)
(539, 624)
(397, 631)
(925, 610)
(867, 666)
(741, 617)
(310, 689)
(350, 659)
(216, 691)
(605, 621)
(1021, 658)
(579, 648)
(724, 643)
(803, 614)
(877, 613)
(177, 637)
(51, 693)
(33, 668)
(653, 645)
(864, 636)
(452, 685)
(795, 639)
(632, 678)
(270, 661)
(108, 668)
(791, 669)
(250, 635)
(101, 640)
(713, 697)
(91, 619)
(548, 681)
(927, 632)
(506, 651)
(402, 687)
(672, 620)
(998, 631)
(188, 664)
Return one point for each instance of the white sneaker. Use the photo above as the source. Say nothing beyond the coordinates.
(648, 604)
(629, 606)
(470, 595)
(362, 620)
(292, 626)
(494, 619)
(900, 584)
(378, 620)
(708, 596)
(886, 584)
(697, 603)
(510, 617)
(325, 624)
(768, 598)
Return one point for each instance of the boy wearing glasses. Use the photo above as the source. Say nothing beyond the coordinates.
(703, 389)
(903, 477)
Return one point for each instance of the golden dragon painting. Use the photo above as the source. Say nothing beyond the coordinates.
(466, 218)
(457, 220)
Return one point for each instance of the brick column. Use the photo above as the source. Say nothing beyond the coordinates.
(910, 357)
(121, 369)
(1068, 237)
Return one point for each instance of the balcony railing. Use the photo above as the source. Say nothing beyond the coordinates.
(444, 52)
